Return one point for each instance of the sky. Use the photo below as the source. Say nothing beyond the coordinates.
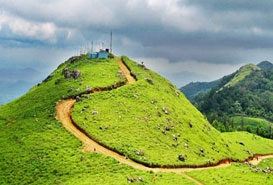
(183, 40)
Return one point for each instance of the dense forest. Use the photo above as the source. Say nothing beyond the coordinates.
(250, 97)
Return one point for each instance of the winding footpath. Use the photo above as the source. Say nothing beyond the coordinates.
(64, 108)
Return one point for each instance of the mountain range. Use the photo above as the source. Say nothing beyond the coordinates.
(240, 101)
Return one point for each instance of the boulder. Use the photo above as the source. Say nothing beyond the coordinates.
(181, 158)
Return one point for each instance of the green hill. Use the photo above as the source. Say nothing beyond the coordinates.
(240, 75)
(246, 93)
(149, 121)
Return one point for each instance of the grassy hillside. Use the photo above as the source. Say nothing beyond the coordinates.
(233, 175)
(254, 125)
(251, 96)
(36, 149)
(241, 75)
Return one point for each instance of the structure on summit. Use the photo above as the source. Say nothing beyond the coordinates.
(100, 54)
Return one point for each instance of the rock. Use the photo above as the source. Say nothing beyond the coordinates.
(149, 81)
(76, 74)
(78, 98)
(154, 101)
(165, 110)
(47, 78)
(139, 152)
(181, 158)
(88, 89)
(167, 128)
(140, 179)
(74, 59)
(130, 180)
(70, 89)
(177, 93)
(95, 112)
(73, 74)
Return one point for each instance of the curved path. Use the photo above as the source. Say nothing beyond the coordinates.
(64, 108)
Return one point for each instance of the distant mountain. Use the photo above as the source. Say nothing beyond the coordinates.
(265, 65)
(16, 82)
(11, 90)
(194, 88)
(246, 93)
(240, 75)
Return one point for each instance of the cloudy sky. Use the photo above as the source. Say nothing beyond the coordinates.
(184, 40)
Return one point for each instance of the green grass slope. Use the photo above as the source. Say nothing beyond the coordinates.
(36, 149)
(131, 120)
(253, 125)
(236, 174)
(241, 74)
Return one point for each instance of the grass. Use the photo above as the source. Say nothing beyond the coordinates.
(237, 173)
(266, 163)
(241, 74)
(36, 149)
(250, 124)
(132, 119)
(244, 144)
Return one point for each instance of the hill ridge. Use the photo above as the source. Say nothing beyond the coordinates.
(149, 121)
(240, 75)
(63, 115)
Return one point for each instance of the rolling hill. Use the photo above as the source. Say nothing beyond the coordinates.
(139, 129)
(245, 94)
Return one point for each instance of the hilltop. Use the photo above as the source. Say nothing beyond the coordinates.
(145, 122)
(241, 101)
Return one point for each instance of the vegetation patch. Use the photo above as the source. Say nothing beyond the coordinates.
(237, 173)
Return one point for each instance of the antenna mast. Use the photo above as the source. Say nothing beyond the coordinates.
(111, 36)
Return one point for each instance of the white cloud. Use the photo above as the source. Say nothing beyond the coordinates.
(27, 29)
(208, 38)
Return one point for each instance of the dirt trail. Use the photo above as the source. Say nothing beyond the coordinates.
(259, 159)
(125, 70)
(64, 109)
(63, 114)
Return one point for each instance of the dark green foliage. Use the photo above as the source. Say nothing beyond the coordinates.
(265, 65)
(193, 89)
(251, 97)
